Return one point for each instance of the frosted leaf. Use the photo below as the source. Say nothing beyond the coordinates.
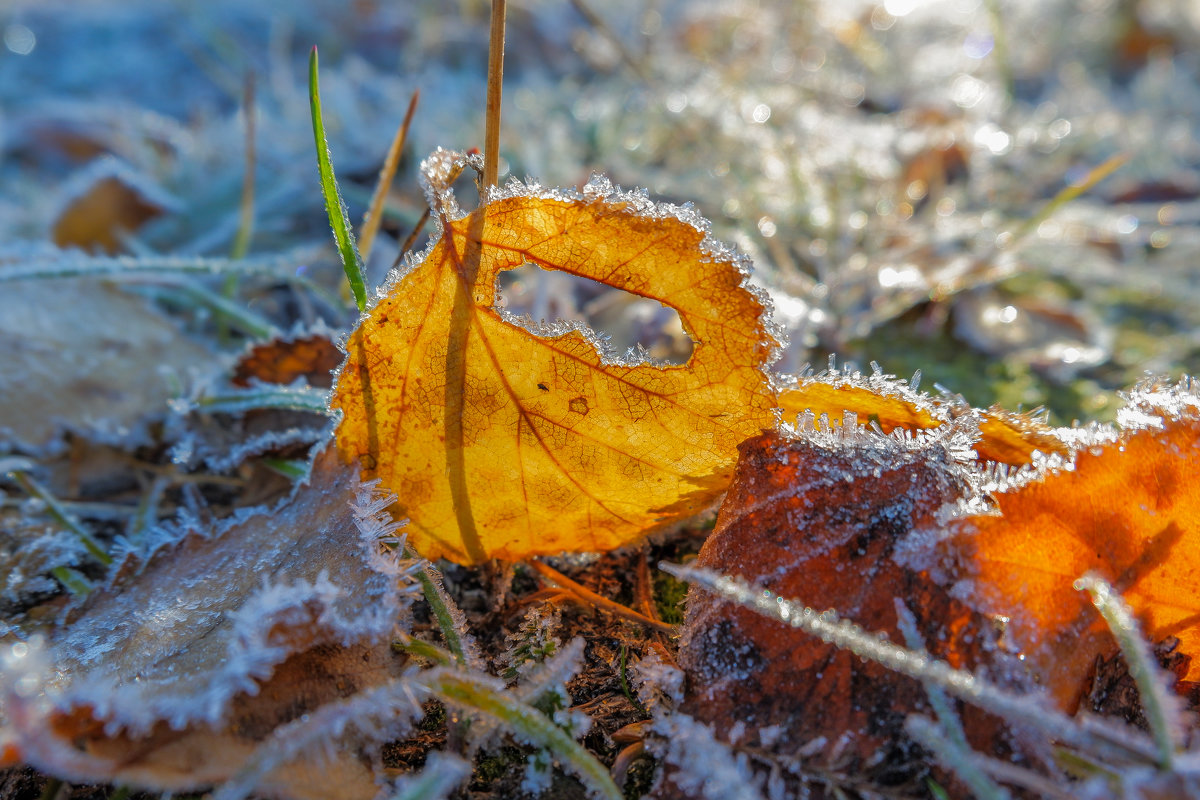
(320, 739)
(598, 189)
(84, 357)
(1152, 400)
(223, 636)
(247, 448)
(104, 201)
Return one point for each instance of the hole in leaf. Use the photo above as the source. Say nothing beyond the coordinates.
(626, 320)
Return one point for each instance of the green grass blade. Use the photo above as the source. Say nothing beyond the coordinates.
(339, 219)
(56, 511)
(529, 724)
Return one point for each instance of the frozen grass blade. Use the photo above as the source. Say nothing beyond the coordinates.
(72, 580)
(449, 618)
(439, 777)
(294, 469)
(937, 740)
(532, 726)
(302, 398)
(1095, 736)
(60, 515)
(223, 308)
(430, 652)
(146, 514)
(374, 215)
(1162, 712)
(1068, 194)
(339, 219)
(947, 740)
(73, 264)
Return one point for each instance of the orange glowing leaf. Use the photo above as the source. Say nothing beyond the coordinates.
(505, 443)
(881, 398)
(1005, 437)
(1128, 510)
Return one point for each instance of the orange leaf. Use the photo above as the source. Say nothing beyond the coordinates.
(1128, 510)
(283, 360)
(504, 443)
(1005, 437)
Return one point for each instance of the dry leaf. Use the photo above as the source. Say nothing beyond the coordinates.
(1128, 510)
(501, 442)
(819, 516)
(103, 201)
(312, 357)
(82, 356)
(170, 676)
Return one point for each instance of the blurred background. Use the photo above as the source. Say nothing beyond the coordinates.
(1002, 195)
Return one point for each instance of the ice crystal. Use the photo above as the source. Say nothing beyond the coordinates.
(659, 684)
(533, 642)
(703, 766)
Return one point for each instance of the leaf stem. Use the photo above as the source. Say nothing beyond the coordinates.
(339, 219)
(598, 600)
(495, 85)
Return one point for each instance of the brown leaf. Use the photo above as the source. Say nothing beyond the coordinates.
(819, 517)
(313, 357)
(107, 200)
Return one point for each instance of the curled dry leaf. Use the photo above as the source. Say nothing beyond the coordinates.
(312, 356)
(175, 672)
(1128, 510)
(819, 516)
(82, 356)
(105, 201)
(504, 440)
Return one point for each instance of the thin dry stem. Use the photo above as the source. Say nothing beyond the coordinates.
(597, 600)
(374, 216)
(491, 142)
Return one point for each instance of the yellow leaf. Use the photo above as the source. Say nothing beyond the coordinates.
(503, 443)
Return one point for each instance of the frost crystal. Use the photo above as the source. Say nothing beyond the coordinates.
(659, 684)
(704, 766)
(533, 642)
